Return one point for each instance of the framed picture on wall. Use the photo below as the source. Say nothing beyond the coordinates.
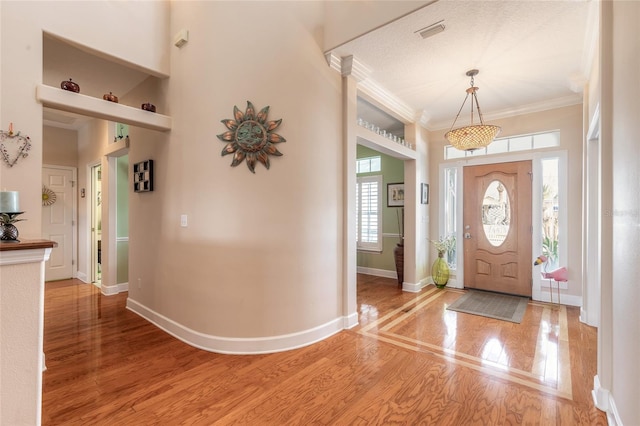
(424, 199)
(395, 195)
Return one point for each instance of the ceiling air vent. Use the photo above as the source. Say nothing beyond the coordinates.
(431, 30)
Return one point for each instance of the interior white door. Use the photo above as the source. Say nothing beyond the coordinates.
(58, 221)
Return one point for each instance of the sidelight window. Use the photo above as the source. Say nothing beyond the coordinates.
(550, 211)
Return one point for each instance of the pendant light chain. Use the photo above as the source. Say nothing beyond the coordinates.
(473, 136)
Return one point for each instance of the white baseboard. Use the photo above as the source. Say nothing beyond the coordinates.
(377, 272)
(351, 321)
(452, 283)
(82, 277)
(413, 287)
(240, 346)
(114, 289)
(603, 400)
(543, 295)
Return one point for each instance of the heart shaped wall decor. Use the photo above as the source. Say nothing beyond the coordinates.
(13, 146)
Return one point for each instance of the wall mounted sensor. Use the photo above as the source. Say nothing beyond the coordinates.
(181, 38)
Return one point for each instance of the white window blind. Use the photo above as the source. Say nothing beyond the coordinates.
(369, 213)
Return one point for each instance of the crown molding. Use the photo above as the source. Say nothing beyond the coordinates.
(371, 89)
(333, 61)
(382, 96)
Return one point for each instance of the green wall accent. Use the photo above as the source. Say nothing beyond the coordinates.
(122, 218)
(392, 172)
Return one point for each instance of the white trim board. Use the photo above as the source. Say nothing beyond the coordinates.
(242, 346)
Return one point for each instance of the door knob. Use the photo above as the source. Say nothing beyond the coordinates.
(467, 235)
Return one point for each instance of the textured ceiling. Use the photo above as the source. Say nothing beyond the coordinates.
(532, 55)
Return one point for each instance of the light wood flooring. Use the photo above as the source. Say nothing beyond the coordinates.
(409, 361)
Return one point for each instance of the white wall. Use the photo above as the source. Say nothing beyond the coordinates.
(21, 331)
(620, 134)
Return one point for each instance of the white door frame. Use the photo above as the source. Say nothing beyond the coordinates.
(74, 215)
(91, 261)
(110, 284)
(592, 206)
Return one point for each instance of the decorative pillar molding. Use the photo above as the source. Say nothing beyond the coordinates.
(349, 142)
(352, 67)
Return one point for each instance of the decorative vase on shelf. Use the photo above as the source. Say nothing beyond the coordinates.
(71, 86)
(440, 271)
(398, 255)
(8, 232)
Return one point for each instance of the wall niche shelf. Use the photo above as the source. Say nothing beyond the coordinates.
(377, 142)
(63, 100)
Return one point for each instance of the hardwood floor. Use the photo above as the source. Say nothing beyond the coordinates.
(409, 361)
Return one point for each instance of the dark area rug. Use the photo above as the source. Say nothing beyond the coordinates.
(493, 305)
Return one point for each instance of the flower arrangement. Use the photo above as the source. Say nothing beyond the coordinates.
(445, 244)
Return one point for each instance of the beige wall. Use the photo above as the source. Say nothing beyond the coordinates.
(569, 121)
(262, 254)
(21, 32)
(59, 147)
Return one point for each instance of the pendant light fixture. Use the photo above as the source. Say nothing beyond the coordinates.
(473, 136)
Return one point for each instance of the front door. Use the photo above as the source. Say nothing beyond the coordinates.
(497, 227)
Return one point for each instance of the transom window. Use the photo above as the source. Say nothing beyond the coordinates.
(512, 144)
(368, 164)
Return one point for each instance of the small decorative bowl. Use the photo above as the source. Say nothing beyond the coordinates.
(149, 107)
(70, 86)
(110, 97)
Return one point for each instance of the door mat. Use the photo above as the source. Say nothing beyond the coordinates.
(493, 305)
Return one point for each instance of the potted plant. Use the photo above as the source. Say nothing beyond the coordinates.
(440, 268)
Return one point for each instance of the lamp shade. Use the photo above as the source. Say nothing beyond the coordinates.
(469, 138)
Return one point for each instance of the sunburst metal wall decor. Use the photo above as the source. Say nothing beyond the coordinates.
(48, 196)
(250, 136)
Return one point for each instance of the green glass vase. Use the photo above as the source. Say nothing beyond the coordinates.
(440, 271)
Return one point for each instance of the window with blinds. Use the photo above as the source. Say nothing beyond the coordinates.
(369, 213)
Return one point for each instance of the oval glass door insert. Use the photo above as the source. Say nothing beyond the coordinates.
(496, 213)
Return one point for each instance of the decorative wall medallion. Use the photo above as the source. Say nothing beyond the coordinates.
(48, 196)
(13, 146)
(250, 136)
